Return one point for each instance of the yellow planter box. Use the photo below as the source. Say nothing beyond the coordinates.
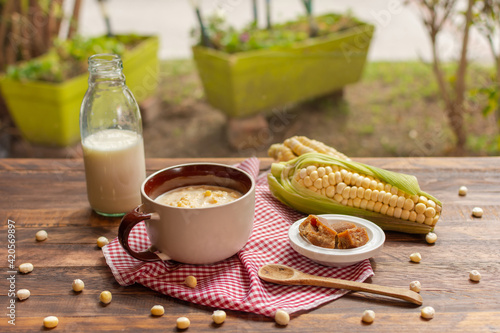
(48, 113)
(246, 83)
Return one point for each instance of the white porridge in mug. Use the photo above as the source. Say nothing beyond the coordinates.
(198, 196)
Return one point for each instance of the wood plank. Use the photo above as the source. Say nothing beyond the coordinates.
(385, 321)
(68, 235)
(453, 280)
(137, 299)
(34, 216)
(82, 240)
(200, 322)
(62, 217)
(443, 166)
(76, 165)
(448, 229)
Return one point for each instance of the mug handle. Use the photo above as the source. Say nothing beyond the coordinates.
(128, 222)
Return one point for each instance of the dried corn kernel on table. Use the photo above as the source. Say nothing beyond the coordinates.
(50, 195)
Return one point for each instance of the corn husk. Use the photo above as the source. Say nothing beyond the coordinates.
(285, 188)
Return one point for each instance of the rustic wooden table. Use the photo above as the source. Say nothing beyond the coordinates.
(50, 194)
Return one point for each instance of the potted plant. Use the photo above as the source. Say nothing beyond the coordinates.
(254, 70)
(43, 95)
(44, 85)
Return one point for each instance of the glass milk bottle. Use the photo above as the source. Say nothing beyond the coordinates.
(111, 132)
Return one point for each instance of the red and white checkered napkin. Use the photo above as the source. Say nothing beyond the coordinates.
(234, 283)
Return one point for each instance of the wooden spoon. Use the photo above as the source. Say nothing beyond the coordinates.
(282, 274)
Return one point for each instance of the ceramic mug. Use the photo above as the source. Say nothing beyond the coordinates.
(192, 235)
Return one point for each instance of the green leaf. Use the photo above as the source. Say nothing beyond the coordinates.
(68, 58)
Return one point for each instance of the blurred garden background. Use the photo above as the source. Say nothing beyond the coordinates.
(429, 85)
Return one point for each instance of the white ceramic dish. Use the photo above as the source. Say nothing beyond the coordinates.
(337, 257)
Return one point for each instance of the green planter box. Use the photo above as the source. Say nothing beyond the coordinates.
(48, 113)
(245, 83)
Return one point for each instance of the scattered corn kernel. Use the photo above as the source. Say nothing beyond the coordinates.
(219, 316)
(281, 317)
(462, 191)
(78, 285)
(183, 323)
(26, 268)
(157, 310)
(368, 316)
(431, 238)
(474, 275)
(101, 241)
(50, 321)
(23, 294)
(477, 212)
(41, 235)
(427, 312)
(415, 286)
(105, 297)
(190, 281)
(415, 257)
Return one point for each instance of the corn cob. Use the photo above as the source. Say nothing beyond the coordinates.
(320, 147)
(318, 184)
(280, 152)
(299, 145)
